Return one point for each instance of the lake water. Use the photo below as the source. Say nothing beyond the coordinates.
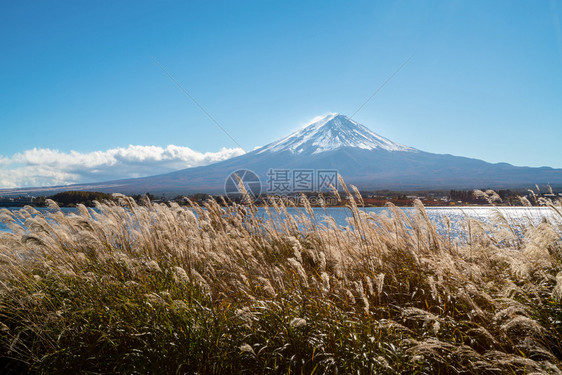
(517, 216)
(457, 215)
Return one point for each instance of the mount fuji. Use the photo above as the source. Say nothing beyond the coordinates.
(336, 142)
(329, 133)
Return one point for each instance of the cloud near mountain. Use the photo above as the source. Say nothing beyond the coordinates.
(47, 167)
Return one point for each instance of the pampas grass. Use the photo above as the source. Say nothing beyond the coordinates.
(129, 288)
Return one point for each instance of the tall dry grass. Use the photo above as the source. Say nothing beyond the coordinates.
(130, 288)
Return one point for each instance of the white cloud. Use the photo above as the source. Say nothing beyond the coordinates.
(46, 167)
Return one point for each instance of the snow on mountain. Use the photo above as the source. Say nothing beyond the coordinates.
(329, 133)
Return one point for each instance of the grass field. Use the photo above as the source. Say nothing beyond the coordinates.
(209, 290)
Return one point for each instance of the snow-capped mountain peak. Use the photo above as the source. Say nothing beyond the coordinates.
(332, 132)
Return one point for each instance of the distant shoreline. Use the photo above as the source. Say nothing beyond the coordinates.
(316, 206)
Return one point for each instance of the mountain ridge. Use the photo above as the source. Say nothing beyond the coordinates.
(335, 142)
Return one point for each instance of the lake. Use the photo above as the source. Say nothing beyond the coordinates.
(457, 215)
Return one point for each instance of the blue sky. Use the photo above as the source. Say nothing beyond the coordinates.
(79, 84)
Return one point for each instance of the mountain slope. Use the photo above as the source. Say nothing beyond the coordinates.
(335, 142)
